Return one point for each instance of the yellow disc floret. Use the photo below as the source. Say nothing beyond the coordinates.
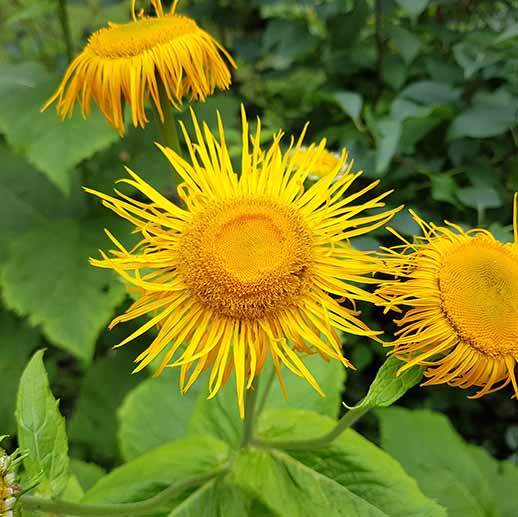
(247, 257)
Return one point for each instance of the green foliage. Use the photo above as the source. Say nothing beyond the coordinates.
(41, 431)
(12, 363)
(388, 386)
(52, 146)
(60, 291)
(464, 479)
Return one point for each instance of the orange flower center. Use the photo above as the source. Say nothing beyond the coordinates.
(479, 289)
(246, 258)
(134, 38)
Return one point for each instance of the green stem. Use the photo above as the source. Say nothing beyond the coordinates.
(344, 423)
(167, 128)
(250, 413)
(266, 393)
(65, 25)
(34, 503)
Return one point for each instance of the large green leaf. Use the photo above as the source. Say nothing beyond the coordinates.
(54, 147)
(153, 413)
(217, 498)
(48, 279)
(220, 416)
(430, 450)
(17, 341)
(288, 487)
(502, 476)
(352, 462)
(28, 199)
(41, 431)
(87, 474)
(156, 470)
(93, 425)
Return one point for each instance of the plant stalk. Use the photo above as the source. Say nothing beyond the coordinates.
(167, 128)
(65, 25)
(250, 413)
(29, 502)
(344, 423)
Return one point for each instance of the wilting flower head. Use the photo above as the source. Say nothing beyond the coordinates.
(250, 266)
(461, 290)
(327, 162)
(131, 62)
(9, 490)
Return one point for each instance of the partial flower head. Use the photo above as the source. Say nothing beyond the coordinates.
(459, 294)
(9, 489)
(327, 162)
(249, 266)
(133, 62)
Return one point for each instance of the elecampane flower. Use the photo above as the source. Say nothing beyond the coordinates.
(131, 62)
(327, 161)
(250, 266)
(461, 291)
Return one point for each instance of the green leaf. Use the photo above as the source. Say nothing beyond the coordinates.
(387, 136)
(153, 413)
(288, 487)
(490, 114)
(510, 32)
(352, 462)
(413, 7)
(87, 474)
(52, 146)
(388, 386)
(444, 188)
(431, 93)
(28, 199)
(472, 57)
(502, 476)
(479, 197)
(220, 416)
(407, 43)
(156, 470)
(394, 71)
(350, 102)
(431, 450)
(41, 431)
(217, 498)
(17, 341)
(48, 279)
(94, 422)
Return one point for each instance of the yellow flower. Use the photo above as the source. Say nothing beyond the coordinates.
(250, 265)
(327, 162)
(461, 288)
(131, 62)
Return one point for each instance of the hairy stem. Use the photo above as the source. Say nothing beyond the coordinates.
(34, 503)
(344, 423)
(65, 25)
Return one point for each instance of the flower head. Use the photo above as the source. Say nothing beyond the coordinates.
(132, 62)
(461, 290)
(327, 162)
(9, 489)
(250, 266)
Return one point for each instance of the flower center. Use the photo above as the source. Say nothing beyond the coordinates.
(246, 258)
(479, 289)
(131, 39)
